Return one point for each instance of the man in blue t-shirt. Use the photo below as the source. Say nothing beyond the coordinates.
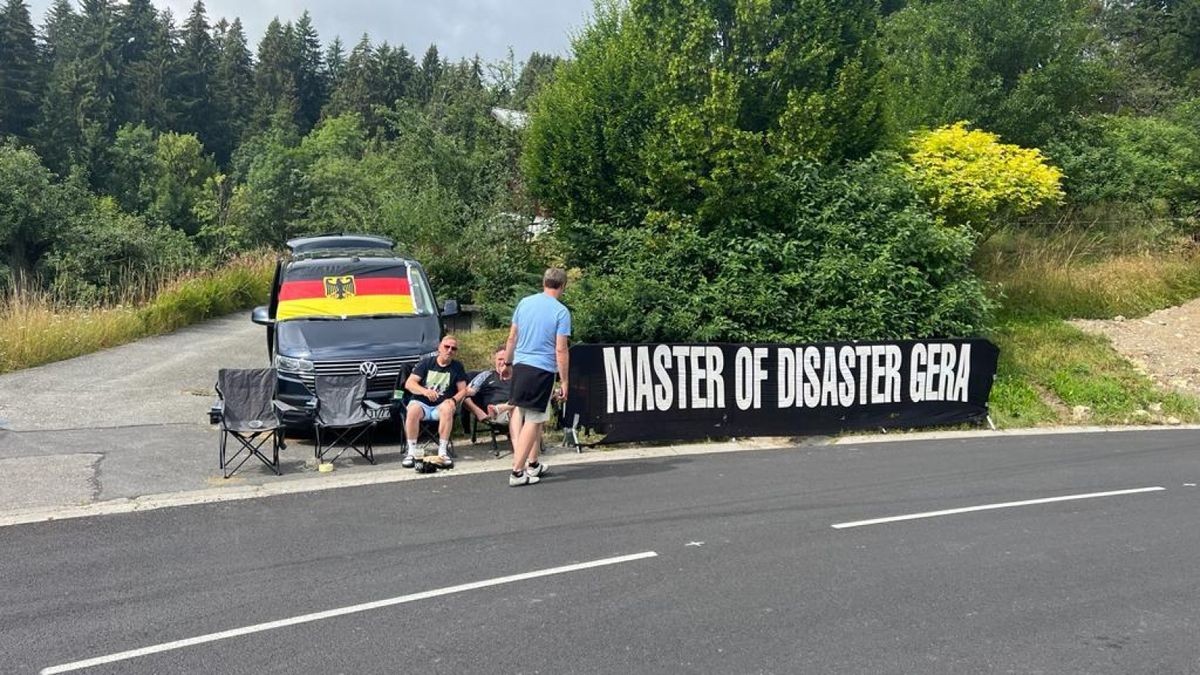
(537, 348)
(438, 384)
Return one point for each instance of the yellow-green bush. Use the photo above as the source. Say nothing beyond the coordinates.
(971, 178)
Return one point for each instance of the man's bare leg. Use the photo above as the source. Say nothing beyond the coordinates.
(445, 420)
(412, 421)
(525, 445)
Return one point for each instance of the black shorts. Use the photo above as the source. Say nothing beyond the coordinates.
(531, 387)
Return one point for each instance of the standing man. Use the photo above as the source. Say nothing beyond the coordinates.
(537, 348)
(438, 384)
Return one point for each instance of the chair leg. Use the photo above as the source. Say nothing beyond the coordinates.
(276, 445)
(252, 446)
(370, 444)
(347, 438)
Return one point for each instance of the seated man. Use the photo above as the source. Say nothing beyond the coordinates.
(489, 396)
(488, 393)
(438, 384)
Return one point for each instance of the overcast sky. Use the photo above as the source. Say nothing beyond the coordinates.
(460, 28)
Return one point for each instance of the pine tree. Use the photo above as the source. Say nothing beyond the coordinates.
(153, 78)
(137, 34)
(20, 72)
(100, 58)
(537, 72)
(57, 134)
(311, 87)
(394, 75)
(335, 64)
(431, 72)
(274, 80)
(233, 88)
(60, 32)
(77, 111)
(196, 71)
(353, 92)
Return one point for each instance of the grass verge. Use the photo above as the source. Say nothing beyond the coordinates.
(1053, 373)
(34, 330)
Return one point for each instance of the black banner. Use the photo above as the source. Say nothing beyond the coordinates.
(684, 391)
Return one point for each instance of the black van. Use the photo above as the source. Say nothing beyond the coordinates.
(344, 304)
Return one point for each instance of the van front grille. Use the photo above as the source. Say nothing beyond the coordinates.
(384, 380)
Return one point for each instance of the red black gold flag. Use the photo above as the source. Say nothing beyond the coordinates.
(342, 295)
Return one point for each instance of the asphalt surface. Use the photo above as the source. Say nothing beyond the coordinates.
(166, 379)
(122, 422)
(748, 574)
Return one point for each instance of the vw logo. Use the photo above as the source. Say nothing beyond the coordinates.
(369, 369)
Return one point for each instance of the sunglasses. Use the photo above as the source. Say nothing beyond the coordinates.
(450, 348)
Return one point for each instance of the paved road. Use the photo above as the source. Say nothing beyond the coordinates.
(122, 422)
(167, 379)
(748, 574)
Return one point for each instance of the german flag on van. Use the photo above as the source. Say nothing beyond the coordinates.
(318, 289)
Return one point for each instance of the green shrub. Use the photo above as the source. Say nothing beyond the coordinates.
(1136, 160)
(859, 257)
(105, 254)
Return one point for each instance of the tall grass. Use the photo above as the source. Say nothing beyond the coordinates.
(37, 327)
(1048, 369)
(1073, 273)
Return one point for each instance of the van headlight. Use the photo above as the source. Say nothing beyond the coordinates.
(288, 364)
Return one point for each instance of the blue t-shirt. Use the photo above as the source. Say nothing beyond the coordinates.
(540, 320)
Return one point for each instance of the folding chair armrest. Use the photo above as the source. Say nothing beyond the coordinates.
(285, 407)
(372, 405)
(312, 405)
(216, 412)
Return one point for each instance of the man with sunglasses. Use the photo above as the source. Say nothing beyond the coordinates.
(438, 384)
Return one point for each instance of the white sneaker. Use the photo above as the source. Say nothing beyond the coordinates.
(523, 479)
(536, 471)
(408, 461)
(447, 462)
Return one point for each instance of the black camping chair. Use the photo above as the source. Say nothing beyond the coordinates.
(248, 411)
(493, 428)
(343, 416)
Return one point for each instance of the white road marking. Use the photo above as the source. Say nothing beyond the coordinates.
(341, 611)
(986, 507)
(694, 543)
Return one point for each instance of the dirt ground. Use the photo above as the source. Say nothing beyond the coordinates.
(1165, 345)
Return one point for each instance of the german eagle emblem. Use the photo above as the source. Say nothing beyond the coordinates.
(339, 288)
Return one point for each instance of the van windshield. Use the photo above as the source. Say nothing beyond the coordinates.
(341, 289)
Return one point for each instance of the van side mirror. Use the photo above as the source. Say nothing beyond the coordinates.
(261, 316)
(451, 308)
